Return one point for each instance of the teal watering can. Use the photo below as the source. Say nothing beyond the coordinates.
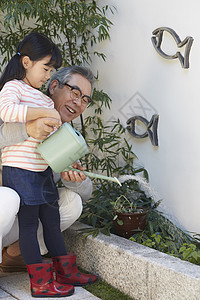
(64, 147)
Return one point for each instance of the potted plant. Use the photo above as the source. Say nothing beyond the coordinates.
(130, 209)
(115, 158)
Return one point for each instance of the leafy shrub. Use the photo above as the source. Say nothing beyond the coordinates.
(190, 252)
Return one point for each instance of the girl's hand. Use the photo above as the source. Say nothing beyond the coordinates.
(74, 175)
(41, 128)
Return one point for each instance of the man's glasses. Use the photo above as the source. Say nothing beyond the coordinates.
(75, 93)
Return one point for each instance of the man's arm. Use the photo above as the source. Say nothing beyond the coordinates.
(84, 188)
(11, 133)
(78, 182)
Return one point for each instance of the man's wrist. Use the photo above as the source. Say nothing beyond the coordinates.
(25, 130)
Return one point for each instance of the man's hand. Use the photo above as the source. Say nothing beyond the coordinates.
(74, 175)
(40, 128)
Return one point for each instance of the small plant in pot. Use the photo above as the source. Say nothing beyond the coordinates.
(130, 209)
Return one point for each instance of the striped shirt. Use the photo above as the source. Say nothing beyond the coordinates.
(15, 97)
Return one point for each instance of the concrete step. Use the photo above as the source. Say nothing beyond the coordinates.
(138, 271)
(17, 286)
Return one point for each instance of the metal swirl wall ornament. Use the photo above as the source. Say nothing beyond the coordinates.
(151, 128)
(157, 41)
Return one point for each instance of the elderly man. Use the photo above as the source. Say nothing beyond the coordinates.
(70, 89)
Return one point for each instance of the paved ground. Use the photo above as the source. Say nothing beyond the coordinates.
(17, 286)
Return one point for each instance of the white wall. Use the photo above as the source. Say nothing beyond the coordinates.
(133, 66)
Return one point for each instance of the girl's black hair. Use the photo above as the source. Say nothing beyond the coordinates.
(36, 46)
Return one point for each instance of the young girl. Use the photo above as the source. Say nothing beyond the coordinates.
(24, 170)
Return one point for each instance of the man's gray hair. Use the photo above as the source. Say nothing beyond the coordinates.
(64, 75)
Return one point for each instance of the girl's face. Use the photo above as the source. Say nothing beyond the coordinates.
(37, 72)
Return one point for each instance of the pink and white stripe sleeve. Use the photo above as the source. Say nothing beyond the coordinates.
(10, 108)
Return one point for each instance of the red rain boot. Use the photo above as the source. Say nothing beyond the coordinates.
(43, 283)
(67, 272)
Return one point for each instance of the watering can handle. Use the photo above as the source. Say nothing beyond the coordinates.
(94, 175)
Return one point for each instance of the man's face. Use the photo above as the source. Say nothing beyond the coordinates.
(68, 108)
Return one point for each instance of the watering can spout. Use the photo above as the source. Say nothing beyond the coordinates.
(94, 175)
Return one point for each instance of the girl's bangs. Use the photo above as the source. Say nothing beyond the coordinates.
(56, 59)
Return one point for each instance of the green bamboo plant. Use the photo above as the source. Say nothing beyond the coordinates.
(76, 27)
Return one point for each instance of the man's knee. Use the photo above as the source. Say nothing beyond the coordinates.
(9, 206)
(70, 206)
(10, 201)
(78, 205)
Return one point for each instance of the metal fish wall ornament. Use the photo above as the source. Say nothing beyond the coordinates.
(151, 128)
(187, 42)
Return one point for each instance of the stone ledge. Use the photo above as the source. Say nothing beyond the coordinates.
(136, 270)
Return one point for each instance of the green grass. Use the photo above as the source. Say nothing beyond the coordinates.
(104, 291)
